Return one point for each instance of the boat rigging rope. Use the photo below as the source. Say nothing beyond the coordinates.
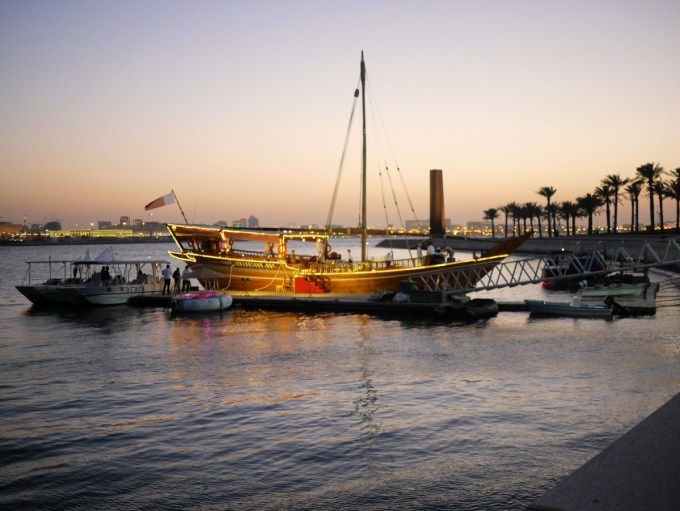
(375, 118)
(379, 145)
(329, 219)
(231, 270)
(276, 275)
(394, 158)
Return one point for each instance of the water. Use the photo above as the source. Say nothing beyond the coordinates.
(122, 408)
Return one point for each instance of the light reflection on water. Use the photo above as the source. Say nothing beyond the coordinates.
(123, 408)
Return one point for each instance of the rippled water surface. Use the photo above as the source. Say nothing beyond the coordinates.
(123, 408)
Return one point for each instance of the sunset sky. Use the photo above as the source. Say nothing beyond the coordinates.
(242, 107)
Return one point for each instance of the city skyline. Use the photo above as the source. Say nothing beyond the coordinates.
(243, 106)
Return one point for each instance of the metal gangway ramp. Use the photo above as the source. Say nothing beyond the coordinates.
(566, 265)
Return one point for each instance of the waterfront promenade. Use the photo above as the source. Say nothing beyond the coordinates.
(638, 471)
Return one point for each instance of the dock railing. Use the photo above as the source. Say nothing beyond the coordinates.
(530, 270)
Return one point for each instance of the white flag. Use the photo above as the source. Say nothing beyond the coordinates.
(161, 201)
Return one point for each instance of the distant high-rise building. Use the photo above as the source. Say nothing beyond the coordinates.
(124, 221)
(253, 222)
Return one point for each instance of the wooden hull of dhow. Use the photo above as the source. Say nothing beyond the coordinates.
(278, 270)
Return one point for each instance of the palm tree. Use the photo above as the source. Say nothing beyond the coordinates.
(674, 193)
(547, 192)
(491, 214)
(515, 213)
(533, 210)
(661, 191)
(569, 211)
(563, 215)
(506, 211)
(650, 173)
(552, 212)
(615, 182)
(589, 204)
(524, 215)
(605, 193)
(538, 213)
(633, 190)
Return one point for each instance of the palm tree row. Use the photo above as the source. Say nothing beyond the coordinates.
(648, 177)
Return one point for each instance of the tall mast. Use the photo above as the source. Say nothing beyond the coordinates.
(363, 160)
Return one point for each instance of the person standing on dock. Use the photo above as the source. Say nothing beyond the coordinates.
(176, 276)
(186, 283)
(167, 277)
(431, 251)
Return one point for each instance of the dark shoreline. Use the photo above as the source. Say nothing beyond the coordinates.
(51, 242)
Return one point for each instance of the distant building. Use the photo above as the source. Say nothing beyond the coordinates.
(415, 225)
(104, 224)
(423, 225)
(156, 228)
(8, 228)
(253, 222)
(221, 223)
(240, 223)
(55, 225)
(124, 221)
(482, 227)
(137, 222)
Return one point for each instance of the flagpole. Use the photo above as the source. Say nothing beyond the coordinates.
(180, 207)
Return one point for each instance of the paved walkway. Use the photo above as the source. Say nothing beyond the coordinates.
(640, 471)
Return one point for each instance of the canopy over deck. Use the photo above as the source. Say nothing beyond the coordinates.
(260, 235)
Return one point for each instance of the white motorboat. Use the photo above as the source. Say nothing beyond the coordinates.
(637, 300)
(201, 301)
(85, 282)
(573, 309)
(617, 290)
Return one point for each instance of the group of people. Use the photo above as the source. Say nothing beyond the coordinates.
(434, 255)
(169, 276)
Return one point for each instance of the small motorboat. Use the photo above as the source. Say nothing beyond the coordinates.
(200, 301)
(633, 290)
(573, 309)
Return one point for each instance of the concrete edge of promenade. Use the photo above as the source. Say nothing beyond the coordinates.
(640, 470)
